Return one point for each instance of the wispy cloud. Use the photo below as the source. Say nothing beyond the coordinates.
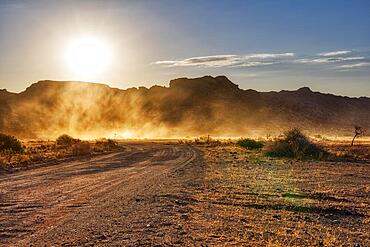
(208, 61)
(327, 60)
(269, 55)
(254, 64)
(355, 65)
(334, 53)
(250, 60)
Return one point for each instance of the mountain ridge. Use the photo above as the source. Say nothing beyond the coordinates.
(188, 106)
(303, 88)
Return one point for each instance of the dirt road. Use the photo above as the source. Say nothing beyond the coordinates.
(157, 194)
(36, 205)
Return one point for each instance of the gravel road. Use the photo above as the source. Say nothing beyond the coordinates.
(87, 200)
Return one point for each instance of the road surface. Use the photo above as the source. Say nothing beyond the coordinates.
(83, 201)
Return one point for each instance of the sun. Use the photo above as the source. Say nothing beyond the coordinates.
(88, 57)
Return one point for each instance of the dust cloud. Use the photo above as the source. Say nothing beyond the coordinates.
(188, 107)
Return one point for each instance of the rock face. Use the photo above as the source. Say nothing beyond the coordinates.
(188, 107)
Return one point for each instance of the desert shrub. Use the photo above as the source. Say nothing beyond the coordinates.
(295, 144)
(249, 143)
(111, 143)
(66, 140)
(106, 145)
(10, 144)
(81, 148)
(206, 140)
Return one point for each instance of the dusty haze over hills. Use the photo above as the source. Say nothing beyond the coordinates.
(188, 107)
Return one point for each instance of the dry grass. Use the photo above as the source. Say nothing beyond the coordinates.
(36, 151)
(309, 149)
(250, 199)
(207, 140)
(359, 152)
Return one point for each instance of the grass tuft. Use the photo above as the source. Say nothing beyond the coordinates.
(249, 143)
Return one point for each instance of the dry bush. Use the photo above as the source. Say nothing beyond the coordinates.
(66, 140)
(206, 140)
(81, 148)
(10, 144)
(105, 145)
(249, 143)
(11, 159)
(295, 144)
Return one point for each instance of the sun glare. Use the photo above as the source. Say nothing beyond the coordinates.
(88, 57)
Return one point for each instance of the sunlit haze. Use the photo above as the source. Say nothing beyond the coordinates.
(87, 58)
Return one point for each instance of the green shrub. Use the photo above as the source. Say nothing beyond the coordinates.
(249, 143)
(10, 144)
(296, 145)
(66, 140)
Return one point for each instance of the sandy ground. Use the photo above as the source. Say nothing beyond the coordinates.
(157, 194)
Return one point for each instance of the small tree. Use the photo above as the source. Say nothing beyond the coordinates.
(359, 131)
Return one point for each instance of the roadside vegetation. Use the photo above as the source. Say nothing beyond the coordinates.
(9, 144)
(66, 140)
(295, 144)
(249, 143)
(202, 140)
(14, 152)
(347, 152)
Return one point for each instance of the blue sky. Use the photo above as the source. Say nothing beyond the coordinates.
(264, 45)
